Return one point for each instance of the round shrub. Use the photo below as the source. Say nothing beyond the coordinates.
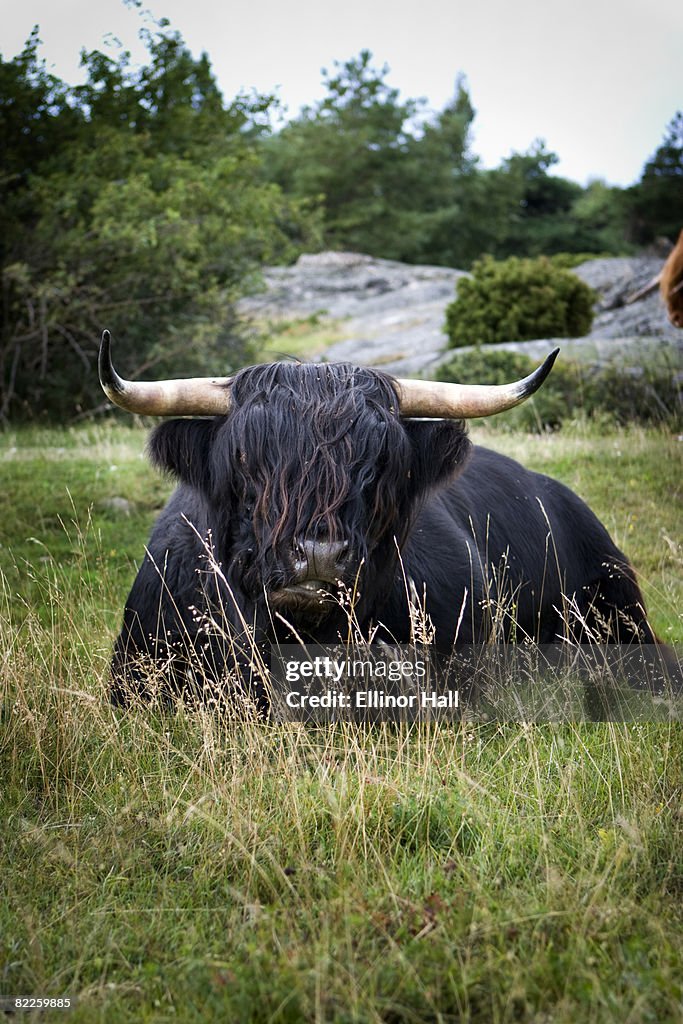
(518, 300)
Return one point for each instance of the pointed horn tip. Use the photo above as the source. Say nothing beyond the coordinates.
(550, 359)
(109, 379)
(105, 342)
(539, 375)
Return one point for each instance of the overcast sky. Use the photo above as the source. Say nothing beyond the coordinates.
(598, 80)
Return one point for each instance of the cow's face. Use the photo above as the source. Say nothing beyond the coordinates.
(312, 482)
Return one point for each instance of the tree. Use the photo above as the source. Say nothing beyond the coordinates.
(394, 182)
(36, 121)
(599, 217)
(655, 204)
(440, 190)
(350, 153)
(540, 222)
(386, 175)
(135, 201)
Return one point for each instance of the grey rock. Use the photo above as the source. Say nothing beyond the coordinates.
(392, 314)
(615, 281)
(120, 506)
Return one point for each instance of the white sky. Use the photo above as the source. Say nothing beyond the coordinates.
(598, 80)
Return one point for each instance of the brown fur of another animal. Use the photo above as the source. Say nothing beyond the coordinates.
(671, 283)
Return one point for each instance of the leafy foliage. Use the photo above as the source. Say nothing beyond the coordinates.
(385, 186)
(134, 201)
(396, 181)
(655, 204)
(517, 300)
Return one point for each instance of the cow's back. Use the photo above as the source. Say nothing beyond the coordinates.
(526, 548)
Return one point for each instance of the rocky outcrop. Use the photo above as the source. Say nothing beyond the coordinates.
(615, 282)
(391, 314)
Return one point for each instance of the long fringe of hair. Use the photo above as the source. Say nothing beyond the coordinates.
(316, 450)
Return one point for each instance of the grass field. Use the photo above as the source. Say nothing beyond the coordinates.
(191, 867)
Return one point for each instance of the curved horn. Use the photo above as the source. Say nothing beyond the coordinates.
(194, 396)
(437, 400)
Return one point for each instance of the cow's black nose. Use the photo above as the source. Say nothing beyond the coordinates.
(323, 560)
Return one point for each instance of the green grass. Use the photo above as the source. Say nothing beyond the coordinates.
(190, 867)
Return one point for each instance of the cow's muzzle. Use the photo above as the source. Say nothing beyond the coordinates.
(318, 566)
(322, 560)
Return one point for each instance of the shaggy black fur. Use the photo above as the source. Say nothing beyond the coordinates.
(319, 451)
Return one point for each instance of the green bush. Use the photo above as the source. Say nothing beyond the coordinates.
(620, 394)
(518, 300)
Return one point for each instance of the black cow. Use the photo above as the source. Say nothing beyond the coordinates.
(322, 486)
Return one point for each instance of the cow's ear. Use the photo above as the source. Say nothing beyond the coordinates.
(182, 447)
(440, 450)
